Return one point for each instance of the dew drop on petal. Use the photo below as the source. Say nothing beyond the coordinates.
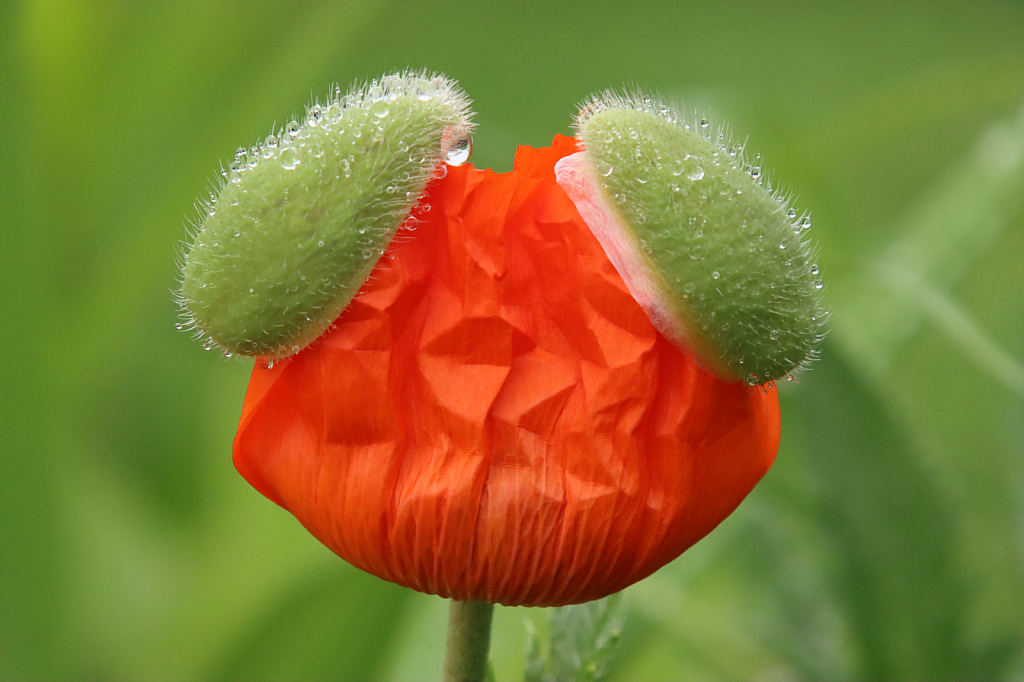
(460, 151)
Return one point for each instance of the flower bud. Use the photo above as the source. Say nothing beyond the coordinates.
(300, 220)
(716, 257)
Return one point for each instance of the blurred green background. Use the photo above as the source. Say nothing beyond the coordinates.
(886, 543)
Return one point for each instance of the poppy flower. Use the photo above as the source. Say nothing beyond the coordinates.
(494, 417)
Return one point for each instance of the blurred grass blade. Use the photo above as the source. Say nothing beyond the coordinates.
(535, 664)
(339, 627)
(958, 325)
(951, 228)
(894, 571)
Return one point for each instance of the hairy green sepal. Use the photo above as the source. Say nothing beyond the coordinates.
(301, 220)
(721, 255)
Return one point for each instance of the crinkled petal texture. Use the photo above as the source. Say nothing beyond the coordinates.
(494, 417)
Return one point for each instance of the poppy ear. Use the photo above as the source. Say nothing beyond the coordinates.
(301, 219)
(712, 253)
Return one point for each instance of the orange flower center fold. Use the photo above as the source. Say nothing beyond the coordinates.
(495, 418)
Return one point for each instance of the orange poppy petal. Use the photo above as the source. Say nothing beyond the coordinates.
(494, 417)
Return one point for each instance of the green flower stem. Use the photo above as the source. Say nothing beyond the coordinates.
(469, 640)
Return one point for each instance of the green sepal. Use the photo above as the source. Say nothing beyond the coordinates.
(717, 257)
(300, 220)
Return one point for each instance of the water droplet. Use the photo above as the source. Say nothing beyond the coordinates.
(271, 140)
(677, 167)
(634, 134)
(806, 222)
(460, 151)
(317, 151)
(390, 189)
(814, 269)
(440, 171)
(411, 223)
(320, 243)
(791, 213)
(715, 274)
(818, 284)
(751, 379)
(696, 174)
(606, 169)
(725, 326)
(289, 158)
(703, 123)
(366, 253)
(179, 326)
(690, 287)
(265, 363)
(774, 335)
(251, 290)
(425, 91)
(755, 172)
(782, 245)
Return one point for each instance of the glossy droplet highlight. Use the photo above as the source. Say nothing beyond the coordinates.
(289, 158)
(460, 151)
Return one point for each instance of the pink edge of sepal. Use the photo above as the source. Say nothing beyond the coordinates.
(640, 275)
